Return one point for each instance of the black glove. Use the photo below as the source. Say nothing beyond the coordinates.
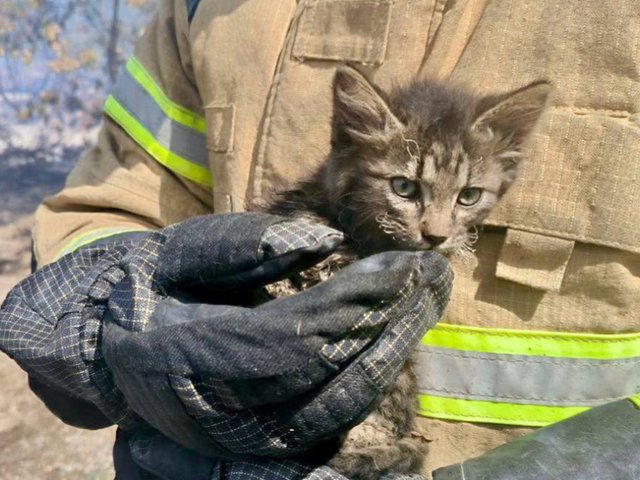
(111, 326)
(603, 443)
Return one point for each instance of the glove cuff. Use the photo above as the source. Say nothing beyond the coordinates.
(239, 251)
(51, 328)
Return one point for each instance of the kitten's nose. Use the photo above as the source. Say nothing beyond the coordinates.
(434, 240)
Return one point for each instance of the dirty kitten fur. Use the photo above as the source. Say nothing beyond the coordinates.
(415, 169)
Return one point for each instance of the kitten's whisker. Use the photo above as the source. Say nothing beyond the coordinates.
(467, 247)
(472, 235)
(464, 256)
(396, 230)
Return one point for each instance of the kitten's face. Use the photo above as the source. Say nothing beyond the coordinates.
(420, 170)
(427, 195)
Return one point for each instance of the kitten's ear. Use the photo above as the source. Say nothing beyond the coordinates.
(359, 109)
(508, 119)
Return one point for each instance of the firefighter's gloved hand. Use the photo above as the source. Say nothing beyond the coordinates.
(110, 326)
(270, 381)
(602, 443)
(169, 461)
(51, 323)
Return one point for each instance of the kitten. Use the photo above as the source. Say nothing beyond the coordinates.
(415, 169)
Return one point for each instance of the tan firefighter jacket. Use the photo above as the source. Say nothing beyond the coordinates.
(230, 99)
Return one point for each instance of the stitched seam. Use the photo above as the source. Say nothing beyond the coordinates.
(538, 336)
(588, 110)
(262, 142)
(468, 395)
(570, 236)
(488, 418)
(538, 360)
(358, 2)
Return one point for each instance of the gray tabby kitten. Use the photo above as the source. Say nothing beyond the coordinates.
(416, 169)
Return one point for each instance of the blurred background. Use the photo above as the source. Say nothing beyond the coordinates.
(58, 61)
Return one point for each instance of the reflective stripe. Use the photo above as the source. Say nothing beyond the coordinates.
(477, 411)
(171, 134)
(93, 236)
(527, 378)
(532, 342)
(172, 110)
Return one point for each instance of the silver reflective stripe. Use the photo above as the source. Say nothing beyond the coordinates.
(531, 380)
(175, 137)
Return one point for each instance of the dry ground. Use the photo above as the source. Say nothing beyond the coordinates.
(34, 444)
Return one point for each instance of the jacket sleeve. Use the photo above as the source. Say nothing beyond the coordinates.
(127, 181)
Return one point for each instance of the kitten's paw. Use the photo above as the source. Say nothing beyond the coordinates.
(404, 455)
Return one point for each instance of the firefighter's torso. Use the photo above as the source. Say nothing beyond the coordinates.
(543, 320)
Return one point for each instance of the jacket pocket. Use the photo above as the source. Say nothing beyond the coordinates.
(580, 181)
(343, 30)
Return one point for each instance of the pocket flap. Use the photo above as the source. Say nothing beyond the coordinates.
(344, 30)
(220, 121)
(579, 182)
(538, 261)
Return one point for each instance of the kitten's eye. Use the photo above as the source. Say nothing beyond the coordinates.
(469, 196)
(404, 187)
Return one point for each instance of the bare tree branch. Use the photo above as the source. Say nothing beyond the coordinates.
(112, 47)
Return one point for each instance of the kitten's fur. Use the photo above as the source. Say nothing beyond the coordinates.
(442, 141)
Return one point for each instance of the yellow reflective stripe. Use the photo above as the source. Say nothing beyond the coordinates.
(534, 343)
(478, 411)
(147, 141)
(562, 346)
(172, 110)
(92, 236)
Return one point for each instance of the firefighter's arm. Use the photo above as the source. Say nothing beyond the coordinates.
(149, 168)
